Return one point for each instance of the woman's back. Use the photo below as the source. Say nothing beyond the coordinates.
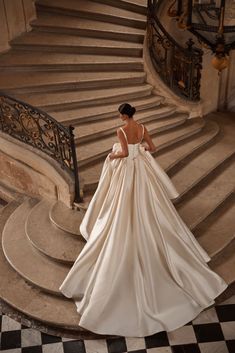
(134, 133)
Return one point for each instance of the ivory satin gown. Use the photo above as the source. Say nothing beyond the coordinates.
(141, 270)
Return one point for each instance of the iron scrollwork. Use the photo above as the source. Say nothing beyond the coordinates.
(179, 67)
(39, 130)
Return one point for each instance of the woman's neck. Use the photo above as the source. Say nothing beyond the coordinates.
(129, 121)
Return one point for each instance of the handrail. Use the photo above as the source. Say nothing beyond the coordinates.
(39, 130)
(179, 67)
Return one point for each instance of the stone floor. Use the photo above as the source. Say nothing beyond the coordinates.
(213, 331)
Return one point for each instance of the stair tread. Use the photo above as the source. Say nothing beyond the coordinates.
(69, 97)
(24, 58)
(224, 263)
(205, 161)
(63, 21)
(59, 245)
(14, 290)
(16, 247)
(11, 80)
(101, 126)
(92, 8)
(65, 218)
(139, 3)
(208, 195)
(219, 229)
(57, 39)
(90, 174)
(171, 156)
(107, 110)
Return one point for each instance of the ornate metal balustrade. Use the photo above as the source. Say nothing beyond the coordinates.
(179, 67)
(38, 129)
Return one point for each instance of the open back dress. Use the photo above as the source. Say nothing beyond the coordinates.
(141, 270)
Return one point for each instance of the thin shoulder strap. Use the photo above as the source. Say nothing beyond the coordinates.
(142, 133)
(124, 134)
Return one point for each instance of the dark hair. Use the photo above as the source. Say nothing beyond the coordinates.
(127, 109)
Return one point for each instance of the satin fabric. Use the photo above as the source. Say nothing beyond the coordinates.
(141, 270)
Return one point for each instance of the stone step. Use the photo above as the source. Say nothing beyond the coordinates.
(36, 268)
(162, 117)
(31, 61)
(65, 43)
(218, 231)
(7, 194)
(65, 218)
(197, 167)
(206, 196)
(139, 6)
(34, 82)
(69, 100)
(90, 10)
(30, 300)
(224, 263)
(170, 157)
(107, 111)
(83, 27)
(56, 243)
(90, 172)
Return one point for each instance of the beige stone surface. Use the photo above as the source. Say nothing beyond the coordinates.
(51, 240)
(29, 12)
(218, 231)
(36, 268)
(14, 18)
(30, 300)
(65, 218)
(202, 164)
(24, 179)
(88, 27)
(28, 169)
(170, 157)
(100, 11)
(208, 196)
(105, 111)
(58, 81)
(55, 61)
(69, 99)
(4, 29)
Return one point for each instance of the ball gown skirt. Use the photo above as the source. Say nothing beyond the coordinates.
(141, 270)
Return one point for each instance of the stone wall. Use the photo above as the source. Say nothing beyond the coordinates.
(15, 16)
(30, 171)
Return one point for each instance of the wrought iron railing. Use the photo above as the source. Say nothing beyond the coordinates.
(179, 67)
(39, 130)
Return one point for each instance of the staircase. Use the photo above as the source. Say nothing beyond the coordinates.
(80, 61)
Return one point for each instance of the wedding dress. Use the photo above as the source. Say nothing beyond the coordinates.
(141, 270)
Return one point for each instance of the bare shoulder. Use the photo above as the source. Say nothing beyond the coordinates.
(119, 131)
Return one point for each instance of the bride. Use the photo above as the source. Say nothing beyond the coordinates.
(141, 270)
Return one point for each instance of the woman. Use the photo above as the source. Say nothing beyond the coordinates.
(141, 271)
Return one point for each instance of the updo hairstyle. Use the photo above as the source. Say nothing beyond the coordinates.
(127, 109)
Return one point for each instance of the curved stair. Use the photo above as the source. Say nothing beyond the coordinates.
(85, 69)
